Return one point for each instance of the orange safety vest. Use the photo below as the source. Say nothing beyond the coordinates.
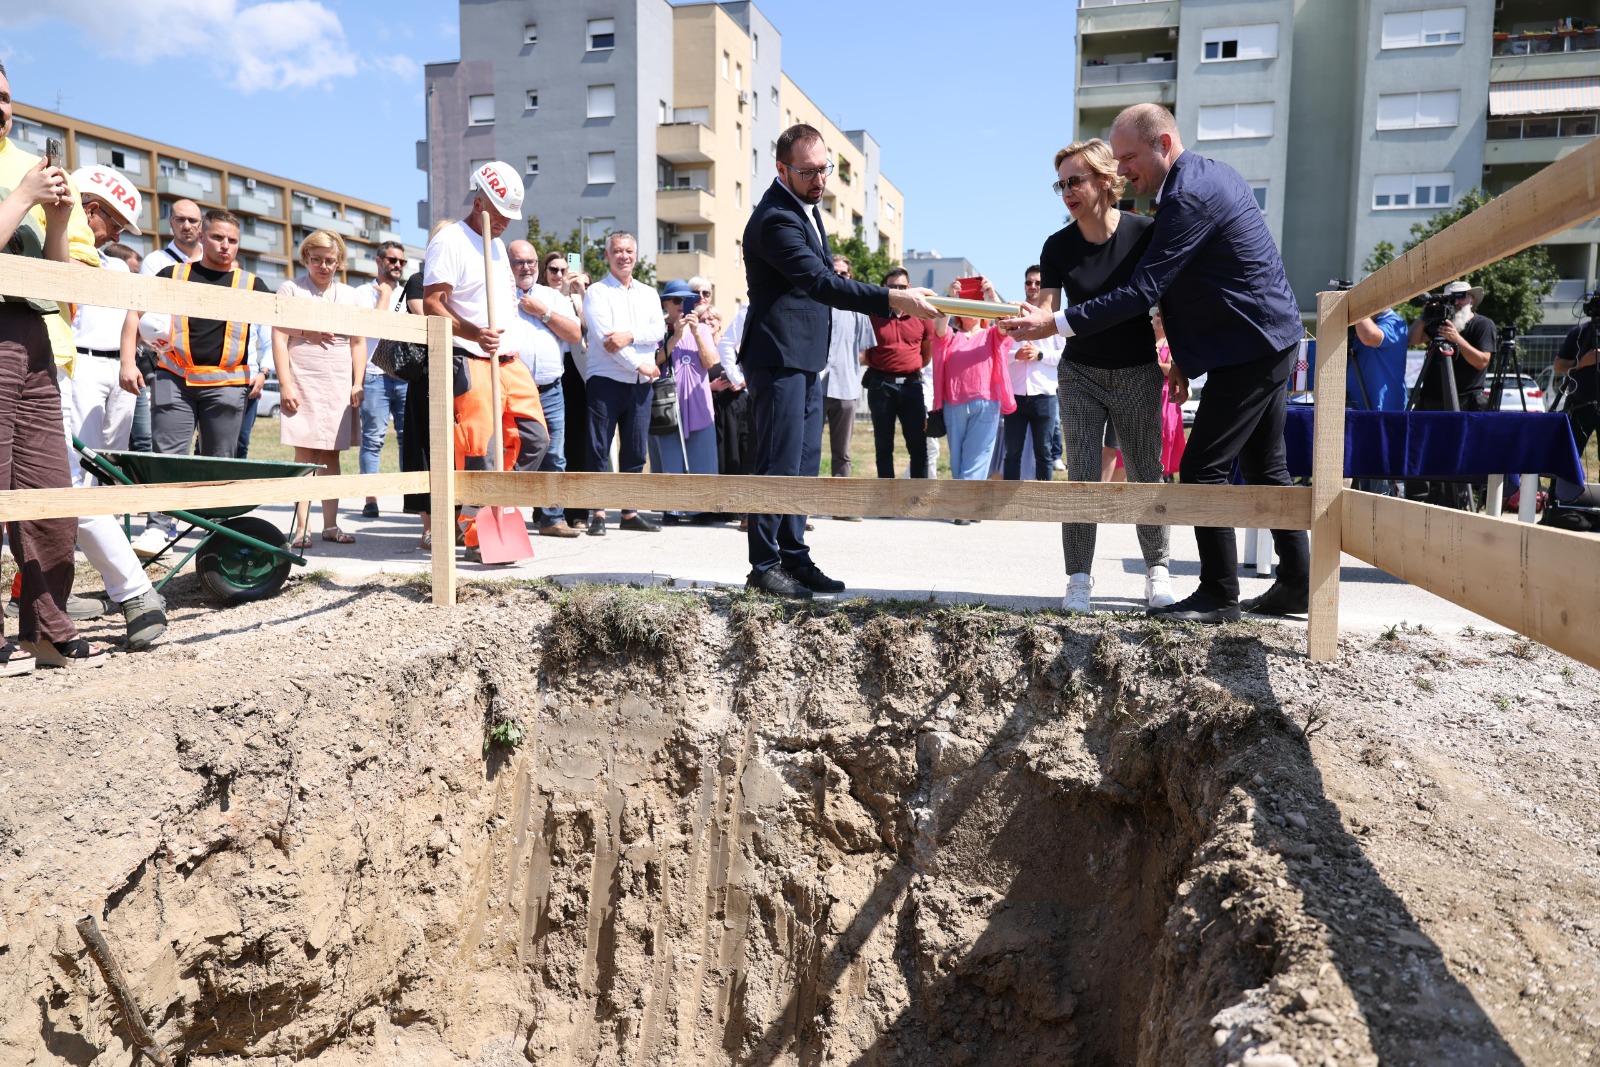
(233, 368)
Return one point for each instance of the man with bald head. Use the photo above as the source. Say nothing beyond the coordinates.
(1230, 315)
(184, 225)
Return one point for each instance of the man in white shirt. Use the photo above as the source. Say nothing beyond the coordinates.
(625, 326)
(382, 398)
(848, 341)
(1033, 369)
(184, 225)
(546, 313)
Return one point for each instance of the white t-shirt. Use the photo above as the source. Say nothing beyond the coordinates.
(367, 297)
(100, 329)
(455, 258)
(539, 348)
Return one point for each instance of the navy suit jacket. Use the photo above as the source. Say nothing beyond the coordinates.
(1211, 263)
(792, 286)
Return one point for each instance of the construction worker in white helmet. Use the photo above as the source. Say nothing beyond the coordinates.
(454, 285)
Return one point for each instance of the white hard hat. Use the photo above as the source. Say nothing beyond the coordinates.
(105, 184)
(155, 329)
(501, 186)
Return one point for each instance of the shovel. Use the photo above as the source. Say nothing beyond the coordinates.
(502, 534)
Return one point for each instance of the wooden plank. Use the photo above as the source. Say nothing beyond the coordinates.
(441, 454)
(1561, 195)
(1327, 476)
(45, 280)
(21, 504)
(1279, 507)
(1540, 582)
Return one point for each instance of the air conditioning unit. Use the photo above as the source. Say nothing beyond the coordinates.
(250, 184)
(366, 235)
(744, 97)
(183, 164)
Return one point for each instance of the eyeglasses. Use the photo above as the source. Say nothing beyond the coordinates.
(518, 263)
(319, 261)
(1071, 183)
(184, 220)
(809, 173)
(398, 261)
(704, 294)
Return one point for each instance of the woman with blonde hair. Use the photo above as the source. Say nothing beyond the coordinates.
(320, 376)
(1106, 377)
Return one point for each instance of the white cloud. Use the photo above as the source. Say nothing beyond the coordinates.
(276, 44)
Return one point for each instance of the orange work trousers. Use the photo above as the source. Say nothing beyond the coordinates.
(523, 435)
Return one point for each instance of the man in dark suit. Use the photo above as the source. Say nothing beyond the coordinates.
(792, 286)
(1230, 315)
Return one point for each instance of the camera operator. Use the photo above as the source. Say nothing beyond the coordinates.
(1463, 340)
(1577, 357)
(1376, 377)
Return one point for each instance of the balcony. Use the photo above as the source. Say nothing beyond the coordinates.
(685, 142)
(251, 242)
(1560, 300)
(1151, 70)
(691, 207)
(423, 161)
(252, 205)
(1123, 16)
(1537, 139)
(684, 265)
(313, 221)
(172, 185)
(1557, 53)
(381, 235)
(361, 264)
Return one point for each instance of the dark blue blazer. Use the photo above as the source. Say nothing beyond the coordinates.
(1212, 265)
(792, 286)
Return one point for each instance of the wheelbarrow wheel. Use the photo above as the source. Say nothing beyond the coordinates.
(237, 573)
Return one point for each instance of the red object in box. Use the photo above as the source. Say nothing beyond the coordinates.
(971, 288)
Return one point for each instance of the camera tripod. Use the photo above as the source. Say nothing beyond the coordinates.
(1506, 358)
(1433, 357)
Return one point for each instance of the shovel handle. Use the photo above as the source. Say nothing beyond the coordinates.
(496, 453)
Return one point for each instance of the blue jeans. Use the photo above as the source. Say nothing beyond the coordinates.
(382, 398)
(971, 428)
(554, 403)
(139, 439)
(246, 425)
(1030, 423)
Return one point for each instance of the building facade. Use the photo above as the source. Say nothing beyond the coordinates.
(275, 212)
(1355, 119)
(640, 116)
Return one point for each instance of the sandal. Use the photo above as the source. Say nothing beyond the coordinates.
(426, 544)
(75, 653)
(302, 541)
(337, 536)
(14, 659)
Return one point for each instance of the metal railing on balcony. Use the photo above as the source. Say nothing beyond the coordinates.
(1519, 129)
(1548, 43)
(1155, 70)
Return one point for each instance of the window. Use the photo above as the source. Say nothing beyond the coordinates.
(533, 100)
(602, 34)
(1419, 111)
(755, 47)
(1224, 121)
(738, 194)
(844, 172)
(738, 253)
(530, 34)
(888, 210)
(663, 114)
(119, 159)
(755, 161)
(480, 110)
(602, 101)
(724, 66)
(738, 135)
(1259, 191)
(602, 168)
(311, 201)
(1424, 29)
(738, 75)
(1239, 42)
(1391, 191)
(533, 166)
(774, 96)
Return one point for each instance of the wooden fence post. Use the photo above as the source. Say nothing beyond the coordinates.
(441, 460)
(1327, 475)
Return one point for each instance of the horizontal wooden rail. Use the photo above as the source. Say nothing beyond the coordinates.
(72, 282)
(1560, 196)
(1279, 507)
(1540, 582)
(20, 505)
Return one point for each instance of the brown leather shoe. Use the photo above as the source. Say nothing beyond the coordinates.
(557, 529)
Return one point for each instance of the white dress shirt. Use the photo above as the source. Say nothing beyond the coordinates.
(608, 307)
(728, 347)
(543, 355)
(161, 259)
(1036, 377)
(100, 329)
(806, 209)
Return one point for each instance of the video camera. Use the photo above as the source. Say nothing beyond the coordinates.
(1591, 305)
(1435, 310)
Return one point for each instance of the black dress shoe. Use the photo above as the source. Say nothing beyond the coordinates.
(370, 511)
(667, 519)
(812, 578)
(597, 527)
(1194, 608)
(1279, 600)
(639, 524)
(778, 582)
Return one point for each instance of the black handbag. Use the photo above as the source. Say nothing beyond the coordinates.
(936, 423)
(405, 360)
(664, 406)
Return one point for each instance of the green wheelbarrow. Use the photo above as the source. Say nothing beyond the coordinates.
(240, 558)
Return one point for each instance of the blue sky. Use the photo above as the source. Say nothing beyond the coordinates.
(969, 101)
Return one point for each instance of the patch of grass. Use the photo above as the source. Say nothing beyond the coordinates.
(505, 734)
(610, 620)
(1392, 633)
(1423, 682)
(1567, 673)
(1502, 702)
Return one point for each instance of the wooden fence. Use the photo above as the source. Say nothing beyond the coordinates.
(1540, 582)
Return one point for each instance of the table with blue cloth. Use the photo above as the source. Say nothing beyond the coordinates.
(1446, 445)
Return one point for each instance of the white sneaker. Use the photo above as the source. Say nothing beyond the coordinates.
(1077, 601)
(150, 542)
(1158, 587)
(1060, 466)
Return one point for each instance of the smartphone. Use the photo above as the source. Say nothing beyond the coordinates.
(52, 152)
(691, 302)
(574, 263)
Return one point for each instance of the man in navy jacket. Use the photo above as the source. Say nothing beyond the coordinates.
(785, 347)
(1230, 315)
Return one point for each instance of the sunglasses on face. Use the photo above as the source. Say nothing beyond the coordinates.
(1071, 183)
(398, 261)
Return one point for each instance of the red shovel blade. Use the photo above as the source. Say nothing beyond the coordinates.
(502, 535)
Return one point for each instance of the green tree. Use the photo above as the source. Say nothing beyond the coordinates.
(1382, 254)
(867, 264)
(594, 253)
(1512, 287)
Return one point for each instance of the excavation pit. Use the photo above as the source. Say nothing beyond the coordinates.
(727, 833)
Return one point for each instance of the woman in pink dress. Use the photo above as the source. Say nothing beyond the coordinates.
(1171, 411)
(320, 377)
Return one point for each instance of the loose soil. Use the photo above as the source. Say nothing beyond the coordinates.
(736, 833)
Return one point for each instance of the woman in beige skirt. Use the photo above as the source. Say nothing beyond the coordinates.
(320, 377)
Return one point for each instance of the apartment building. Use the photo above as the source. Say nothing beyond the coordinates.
(640, 116)
(1354, 119)
(275, 212)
